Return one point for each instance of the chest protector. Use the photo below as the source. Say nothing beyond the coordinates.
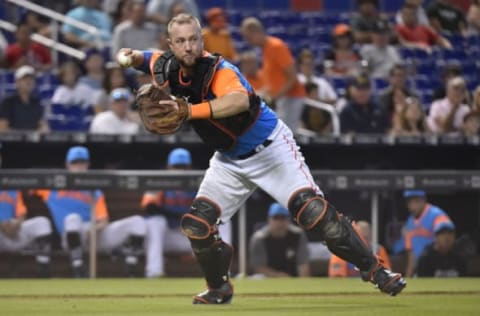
(221, 133)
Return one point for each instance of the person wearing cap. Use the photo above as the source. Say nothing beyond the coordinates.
(363, 22)
(343, 59)
(447, 115)
(441, 259)
(413, 35)
(216, 37)
(26, 52)
(279, 249)
(23, 110)
(341, 268)
(420, 227)
(362, 114)
(71, 211)
(380, 55)
(116, 120)
(163, 211)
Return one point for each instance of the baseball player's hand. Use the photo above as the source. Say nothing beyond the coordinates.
(10, 228)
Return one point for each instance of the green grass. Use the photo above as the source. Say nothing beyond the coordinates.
(317, 296)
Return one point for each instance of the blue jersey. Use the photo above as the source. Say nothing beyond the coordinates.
(172, 202)
(227, 79)
(11, 205)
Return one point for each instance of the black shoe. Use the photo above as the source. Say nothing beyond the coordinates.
(222, 295)
(386, 281)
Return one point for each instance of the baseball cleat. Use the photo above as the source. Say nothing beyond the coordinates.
(222, 295)
(385, 280)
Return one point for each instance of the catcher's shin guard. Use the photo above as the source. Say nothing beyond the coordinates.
(213, 255)
(313, 212)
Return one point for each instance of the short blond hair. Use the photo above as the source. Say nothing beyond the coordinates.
(183, 18)
(251, 24)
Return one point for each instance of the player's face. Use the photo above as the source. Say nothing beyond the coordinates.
(78, 166)
(279, 225)
(186, 43)
(416, 205)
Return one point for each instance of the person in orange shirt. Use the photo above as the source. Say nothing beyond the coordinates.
(216, 37)
(249, 68)
(341, 268)
(71, 215)
(279, 71)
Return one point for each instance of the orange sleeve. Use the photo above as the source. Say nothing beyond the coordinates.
(43, 194)
(20, 208)
(152, 198)
(382, 253)
(226, 81)
(101, 208)
(441, 219)
(282, 56)
(337, 267)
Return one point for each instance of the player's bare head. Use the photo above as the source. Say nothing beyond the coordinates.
(185, 38)
(252, 30)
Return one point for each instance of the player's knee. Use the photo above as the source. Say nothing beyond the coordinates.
(200, 221)
(73, 222)
(308, 208)
(42, 226)
(138, 226)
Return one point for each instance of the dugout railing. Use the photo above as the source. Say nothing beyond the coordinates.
(374, 181)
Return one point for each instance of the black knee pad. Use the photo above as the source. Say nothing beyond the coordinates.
(308, 208)
(200, 222)
(73, 240)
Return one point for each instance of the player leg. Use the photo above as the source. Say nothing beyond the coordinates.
(220, 195)
(74, 238)
(37, 233)
(155, 245)
(312, 212)
(127, 235)
(225, 231)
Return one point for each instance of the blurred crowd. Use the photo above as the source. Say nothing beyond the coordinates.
(412, 72)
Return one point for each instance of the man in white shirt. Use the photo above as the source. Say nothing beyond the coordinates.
(116, 120)
(446, 115)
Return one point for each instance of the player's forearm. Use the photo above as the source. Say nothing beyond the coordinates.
(224, 106)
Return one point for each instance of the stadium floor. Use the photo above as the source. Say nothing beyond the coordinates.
(317, 296)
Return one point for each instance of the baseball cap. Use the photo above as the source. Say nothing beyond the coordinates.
(360, 81)
(276, 209)
(24, 71)
(341, 29)
(381, 26)
(444, 226)
(121, 94)
(179, 156)
(414, 193)
(77, 153)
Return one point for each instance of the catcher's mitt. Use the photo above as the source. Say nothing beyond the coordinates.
(160, 118)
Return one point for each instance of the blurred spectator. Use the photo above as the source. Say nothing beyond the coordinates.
(446, 18)
(135, 31)
(114, 78)
(3, 50)
(340, 268)
(398, 86)
(424, 219)
(163, 210)
(71, 213)
(22, 111)
(116, 121)
(37, 24)
(447, 115)
(421, 14)
(279, 72)
(249, 66)
(476, 100)
(343, 59)
(380, 56)
(159, 11)
(95, 69)
(306, 64)
(26, 52)
(362, 114)
(409, 118)
(473, 18)
(216, 37)
(162, 41)
(471, 124)
(121, 11)
(18, 233)
(72, 93)
(279, 249)
(448, 72)
(413, 35)
(87, 12)
(314, 119)
(363, 22)
(441, 259)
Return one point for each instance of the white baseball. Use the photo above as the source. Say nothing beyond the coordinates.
(124, 60)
